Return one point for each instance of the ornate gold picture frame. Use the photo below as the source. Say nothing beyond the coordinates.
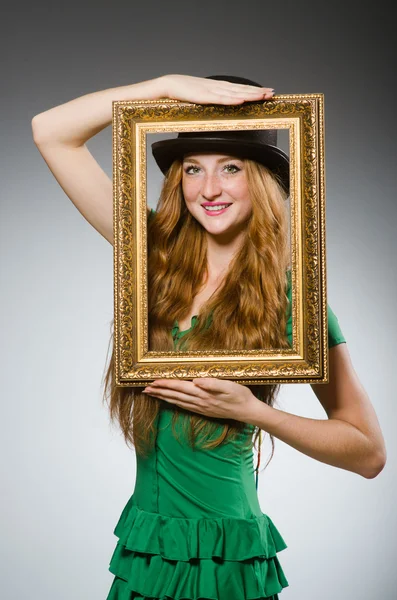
(302, 116)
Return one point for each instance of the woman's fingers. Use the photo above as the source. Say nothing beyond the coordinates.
(212, 384)
(206, 91)
(177, 394)
(175, 385)
(169, 394)
(247, 94)
(243, 89)
(230, 98)
(197, 387)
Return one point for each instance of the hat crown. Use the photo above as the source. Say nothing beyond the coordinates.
(256, 136)
(234, 79)
(259, 145)
(267, 137)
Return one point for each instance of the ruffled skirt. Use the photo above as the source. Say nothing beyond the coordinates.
(159, 557)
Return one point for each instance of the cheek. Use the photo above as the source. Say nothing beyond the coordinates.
(241, 193)
(245, 193)
(190, 191)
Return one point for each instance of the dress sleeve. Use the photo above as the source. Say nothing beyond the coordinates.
(335, 335)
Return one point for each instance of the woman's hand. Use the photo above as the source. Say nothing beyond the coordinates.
(212, 91)
(207, 396)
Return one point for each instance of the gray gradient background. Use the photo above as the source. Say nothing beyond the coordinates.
(66, 472)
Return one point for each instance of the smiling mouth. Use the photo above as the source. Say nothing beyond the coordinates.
(215, 208)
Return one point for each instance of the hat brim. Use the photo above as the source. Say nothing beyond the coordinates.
(272, 157)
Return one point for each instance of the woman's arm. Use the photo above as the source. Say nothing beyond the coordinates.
(350, 438)
(60, 134)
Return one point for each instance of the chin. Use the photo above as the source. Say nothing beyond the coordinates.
(221, 228)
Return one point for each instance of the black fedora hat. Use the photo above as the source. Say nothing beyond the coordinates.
(259, 145)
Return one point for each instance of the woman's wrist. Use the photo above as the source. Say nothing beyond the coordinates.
(255, 412)
(150, 89)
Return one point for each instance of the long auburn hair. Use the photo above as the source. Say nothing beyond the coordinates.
(247, 311)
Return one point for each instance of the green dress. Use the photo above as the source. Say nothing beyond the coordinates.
(193, 528)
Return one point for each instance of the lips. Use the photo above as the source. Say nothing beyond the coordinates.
(214, 209)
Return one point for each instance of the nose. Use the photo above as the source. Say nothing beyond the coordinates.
(211, 187)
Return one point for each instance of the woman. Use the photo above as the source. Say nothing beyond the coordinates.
(193, 527)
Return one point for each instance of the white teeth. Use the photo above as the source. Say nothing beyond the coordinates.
(215, 208)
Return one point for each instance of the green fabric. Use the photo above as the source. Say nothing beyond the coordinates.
(193, 528)
(335, 335)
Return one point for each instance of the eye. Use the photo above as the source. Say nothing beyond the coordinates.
(228, 166)
(187, 169)
(232, 166)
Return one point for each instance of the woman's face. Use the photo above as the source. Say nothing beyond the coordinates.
(216, 192)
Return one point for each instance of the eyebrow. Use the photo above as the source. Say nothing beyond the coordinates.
(220, 160)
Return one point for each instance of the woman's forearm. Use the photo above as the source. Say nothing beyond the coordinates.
(78, 120)
(331, 441)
